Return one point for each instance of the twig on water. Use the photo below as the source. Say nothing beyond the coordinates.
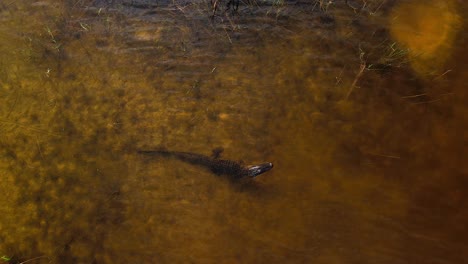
(29, 260)
(227, 34)
(384, 155)
(414, 96)
(356, 79)
(441, 97)
(447, 71)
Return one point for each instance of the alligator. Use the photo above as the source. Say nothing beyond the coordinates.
(233, 169)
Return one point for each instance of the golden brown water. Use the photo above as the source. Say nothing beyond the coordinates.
(360, 106)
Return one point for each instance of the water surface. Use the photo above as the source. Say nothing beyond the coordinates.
(361, 106)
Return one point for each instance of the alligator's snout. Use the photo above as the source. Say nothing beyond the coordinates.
(256, 170)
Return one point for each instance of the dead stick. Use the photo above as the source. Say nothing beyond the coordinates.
(361, 70)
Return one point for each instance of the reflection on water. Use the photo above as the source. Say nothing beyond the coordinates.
(430, 40)
(368, 152)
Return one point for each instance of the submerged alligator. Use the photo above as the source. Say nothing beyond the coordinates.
(236, 170)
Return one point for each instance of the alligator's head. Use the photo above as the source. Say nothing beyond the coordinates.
(256, 170)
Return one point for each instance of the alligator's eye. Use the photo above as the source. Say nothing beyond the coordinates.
(259, 169)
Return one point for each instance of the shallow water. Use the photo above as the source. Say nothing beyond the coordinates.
(360, 106)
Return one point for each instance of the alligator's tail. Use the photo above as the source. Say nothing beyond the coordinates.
(159, 152)
(185, 156)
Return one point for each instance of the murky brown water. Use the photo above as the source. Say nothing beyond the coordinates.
(360, 106)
